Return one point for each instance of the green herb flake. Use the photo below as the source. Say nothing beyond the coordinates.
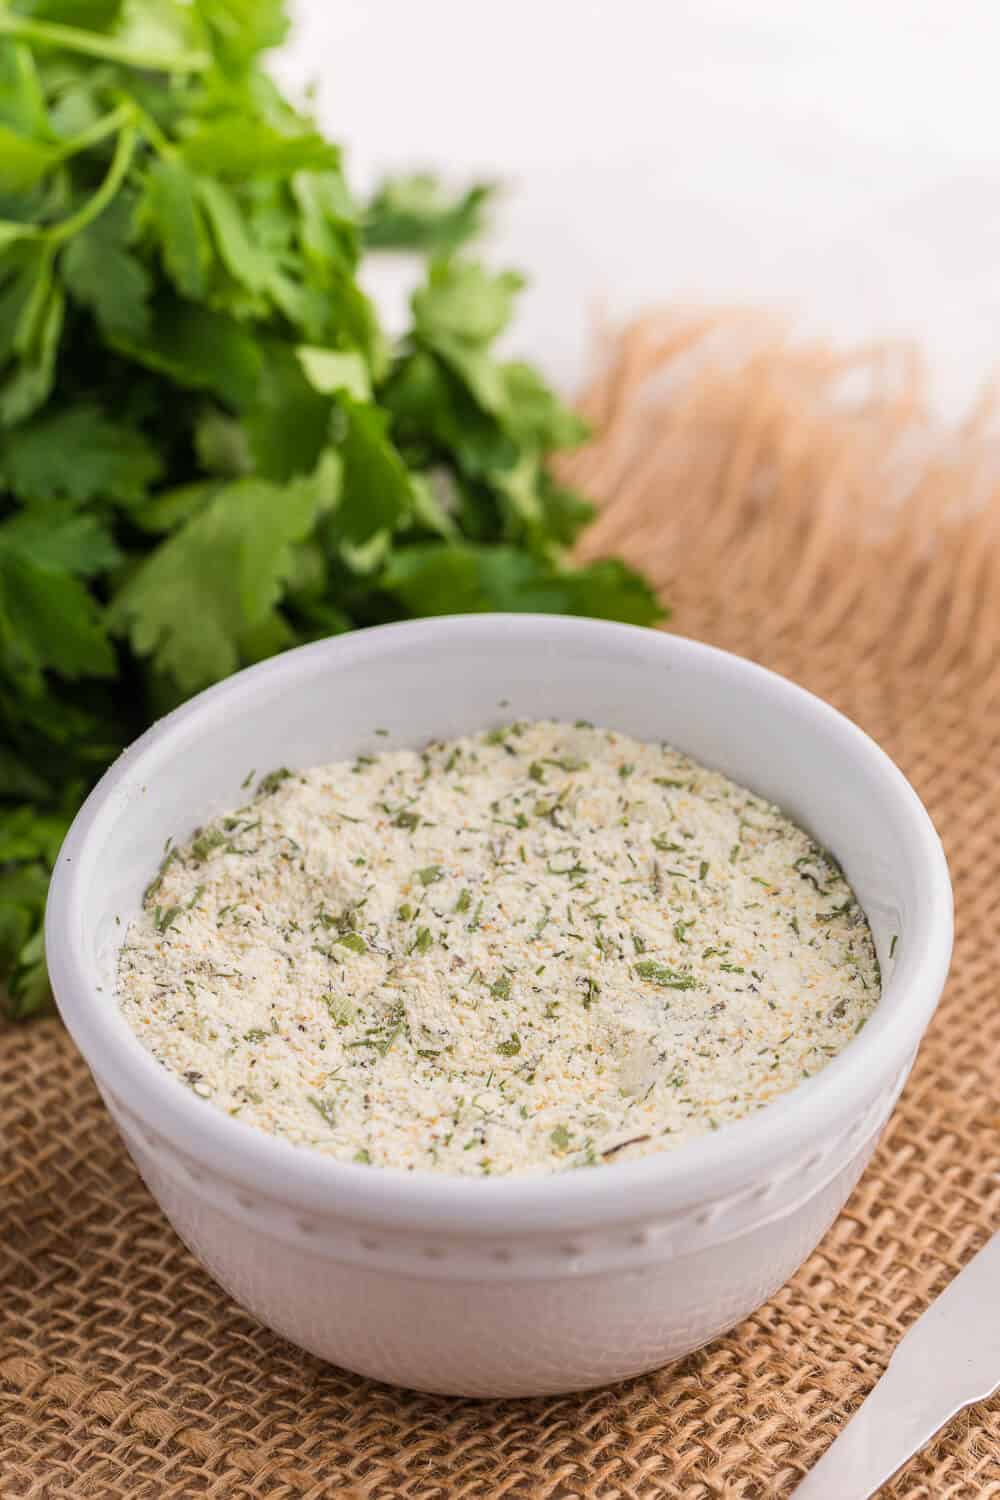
(208, 840)
(430, 874)
(324, 1108)
(342, 1010)
(352, 940)
(511, 1047)
(661, 974)
(154, 885)
(271, 782)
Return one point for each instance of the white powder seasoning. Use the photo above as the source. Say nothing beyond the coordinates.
(547, 946)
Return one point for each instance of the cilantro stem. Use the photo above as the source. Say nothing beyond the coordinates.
(99, 131)
(149, 128)
(120, 163)
(91, 44)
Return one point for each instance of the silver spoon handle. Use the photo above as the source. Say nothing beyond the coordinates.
(947, 1360)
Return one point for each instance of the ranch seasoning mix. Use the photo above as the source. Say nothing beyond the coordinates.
(542, 947)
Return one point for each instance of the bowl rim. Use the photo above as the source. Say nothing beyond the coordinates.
(701, 1170)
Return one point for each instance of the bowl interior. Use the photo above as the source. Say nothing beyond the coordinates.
(436, 678)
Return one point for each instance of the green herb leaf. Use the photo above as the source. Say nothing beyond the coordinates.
(104, 274)
(463, 301)
(238, 147)
(78, 454)
(192, 603)
(171, 212)
(441, 579)
(415, 213)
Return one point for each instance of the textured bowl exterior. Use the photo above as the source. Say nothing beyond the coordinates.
(505, 1287)
(509, 1315)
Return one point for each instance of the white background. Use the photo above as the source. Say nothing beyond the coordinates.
(837, 159)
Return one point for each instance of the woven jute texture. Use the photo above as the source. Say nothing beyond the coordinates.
(800, 508)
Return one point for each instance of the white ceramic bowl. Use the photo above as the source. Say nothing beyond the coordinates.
(504, 1286)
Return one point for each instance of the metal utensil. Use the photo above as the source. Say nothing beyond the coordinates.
(949, 1359)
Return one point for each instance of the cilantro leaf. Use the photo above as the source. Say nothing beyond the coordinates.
(26, 834)
(241, 257)
(54, 538)
(198, 347)
(438, 578)
(415, 213)
(377, 492)
(48, 618)
(533, 414)
(192, 603)
(103, 274)
(78, 454)
(236, 147)
(31, 318)
(328, 217)
(288, 423)
(238, 29)
(23, 160)
(90, 15)
(461, 300)
(22, 907)
(22, 99)
(171, 213)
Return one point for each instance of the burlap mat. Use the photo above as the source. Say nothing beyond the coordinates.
(795, 507)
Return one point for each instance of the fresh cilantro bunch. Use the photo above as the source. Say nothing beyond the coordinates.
(208, 450)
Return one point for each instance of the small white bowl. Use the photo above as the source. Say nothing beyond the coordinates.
(504, 1287)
